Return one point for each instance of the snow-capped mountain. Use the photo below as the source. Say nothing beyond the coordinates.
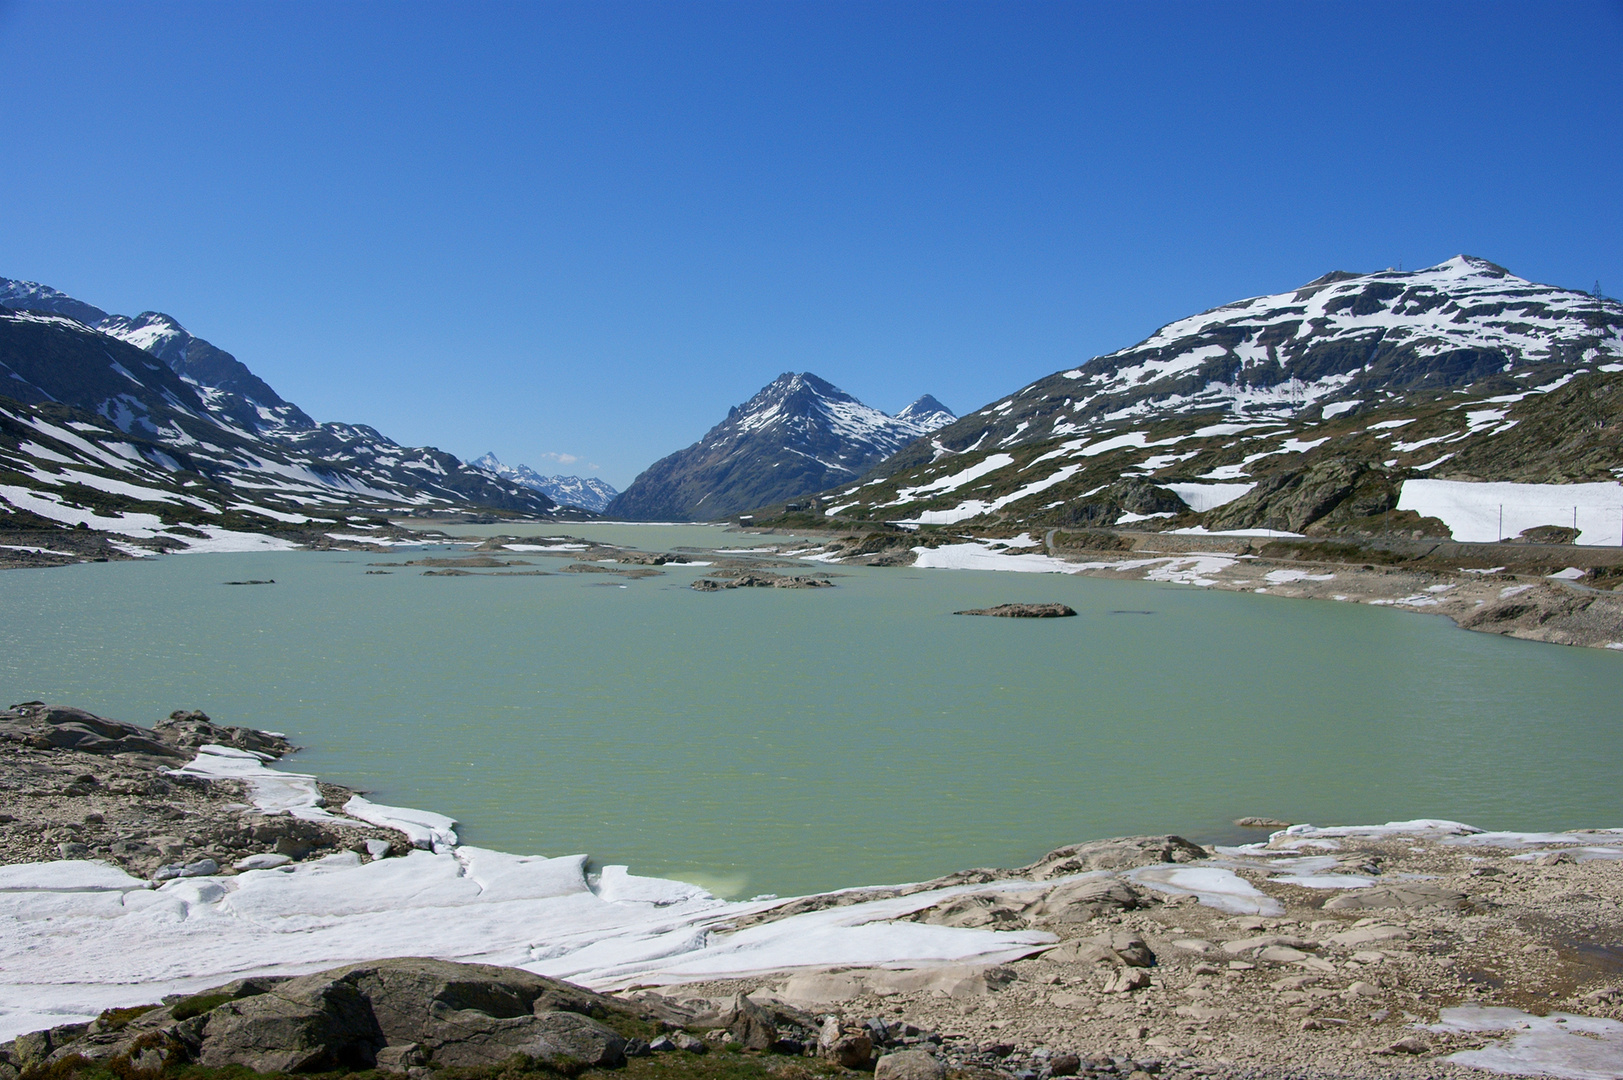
(1344, 339)
(927, 413)
(111, 418)
(799, 435)
(1299, 411)
(224, 383)
(584, 492)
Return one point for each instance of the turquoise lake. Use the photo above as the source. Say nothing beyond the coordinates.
(785, 741)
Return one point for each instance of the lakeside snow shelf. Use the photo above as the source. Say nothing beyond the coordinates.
(79, 936)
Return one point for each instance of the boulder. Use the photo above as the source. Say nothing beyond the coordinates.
(393, 1014)
(419, 1000)
(821, 988)
(749, 1025)
(313, 1024)
(909, 1065)
(849, 1050)
(1255, 945)
(1079, 901)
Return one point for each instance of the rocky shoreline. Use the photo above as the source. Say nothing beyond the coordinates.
(1419, 949)
(79, 786)
(1556, 593)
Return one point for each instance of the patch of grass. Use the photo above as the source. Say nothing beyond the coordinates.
(198, 1004)
(116, 1019)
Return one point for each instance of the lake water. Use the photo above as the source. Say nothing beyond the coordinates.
(783, 741)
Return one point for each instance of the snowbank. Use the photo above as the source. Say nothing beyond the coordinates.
(1472, 511)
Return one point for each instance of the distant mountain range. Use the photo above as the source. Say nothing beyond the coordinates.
(799, 435)
(1302, 411)
(132, 426)
(585, 492)
(1305, 411)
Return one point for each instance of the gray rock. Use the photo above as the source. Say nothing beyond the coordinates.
(74, 729)
(692, 1044)
(1023, 611)
(1126, 949)
(1119, 853)
(401, 1058)
(70, 850)
(750, 1025)
(909, 1065)
(468, 1039)
(1410, 895)
(662, 1045)
(1064, 1065)
(264, 861)
(312, 1024)
(379, 849)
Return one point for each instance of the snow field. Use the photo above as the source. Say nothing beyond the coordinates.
(1472, 510)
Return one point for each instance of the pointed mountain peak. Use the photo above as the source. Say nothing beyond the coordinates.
(928, 413)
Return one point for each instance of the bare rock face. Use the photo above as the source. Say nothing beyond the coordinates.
(1118, 947)
(60, 727)
(391, 1014)
(311, 1024)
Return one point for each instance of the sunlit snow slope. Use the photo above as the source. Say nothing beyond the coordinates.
(1303, 411)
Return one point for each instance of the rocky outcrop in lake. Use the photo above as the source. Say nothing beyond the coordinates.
(1023, 611)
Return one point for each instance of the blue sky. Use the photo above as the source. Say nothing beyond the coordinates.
(585, 230)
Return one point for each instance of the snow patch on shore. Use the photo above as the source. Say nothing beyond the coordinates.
(1559, 1044)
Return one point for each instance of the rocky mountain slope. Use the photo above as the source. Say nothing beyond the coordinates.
(135, 428)
(1305, 412)
(799, 435)
(584, 492)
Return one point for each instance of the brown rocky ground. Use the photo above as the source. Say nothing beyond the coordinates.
(1336, 983)
(79, 786)
(1332, 987)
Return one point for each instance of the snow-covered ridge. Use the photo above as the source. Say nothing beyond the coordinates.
(586, 492)
(192, 416)
(798, 435)
(1458, 373)
(1341, 339)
